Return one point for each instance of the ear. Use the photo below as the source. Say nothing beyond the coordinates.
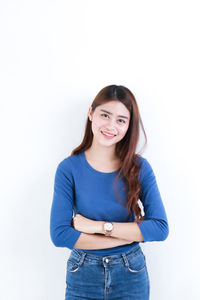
(90, 113)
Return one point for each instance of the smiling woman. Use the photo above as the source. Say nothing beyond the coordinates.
(101, 183)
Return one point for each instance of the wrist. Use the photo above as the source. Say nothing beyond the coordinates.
(99, 227)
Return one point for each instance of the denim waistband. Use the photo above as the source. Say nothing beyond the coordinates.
(98, 258)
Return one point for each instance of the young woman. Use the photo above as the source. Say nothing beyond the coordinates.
(106, 202)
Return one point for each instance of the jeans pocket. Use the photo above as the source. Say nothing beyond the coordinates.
(136, 263)
(73, 264)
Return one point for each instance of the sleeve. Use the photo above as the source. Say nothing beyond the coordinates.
(61, 232)
(155, 226)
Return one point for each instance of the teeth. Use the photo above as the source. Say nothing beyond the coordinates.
(107, 134)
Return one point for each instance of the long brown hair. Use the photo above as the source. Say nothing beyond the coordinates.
(126, 148)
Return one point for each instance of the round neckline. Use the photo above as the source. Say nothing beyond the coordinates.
(94, 170)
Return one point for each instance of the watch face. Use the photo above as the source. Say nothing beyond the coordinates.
(108, 226)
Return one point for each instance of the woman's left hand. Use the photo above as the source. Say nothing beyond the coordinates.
(84, 224)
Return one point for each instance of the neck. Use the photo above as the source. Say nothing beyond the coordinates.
(101, 153)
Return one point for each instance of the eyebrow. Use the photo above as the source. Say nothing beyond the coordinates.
(112, 114)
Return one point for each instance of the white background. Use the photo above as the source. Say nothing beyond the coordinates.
(54, 58)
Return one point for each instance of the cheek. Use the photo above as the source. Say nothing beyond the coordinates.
(98, 124)
(123, 130)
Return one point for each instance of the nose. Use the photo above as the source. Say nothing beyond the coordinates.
(110, 126)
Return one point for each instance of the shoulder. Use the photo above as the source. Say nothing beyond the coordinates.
(145, 167)
(68, 163)
(65, 170)
(143, 162)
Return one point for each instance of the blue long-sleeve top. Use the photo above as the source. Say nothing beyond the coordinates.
(79, 188)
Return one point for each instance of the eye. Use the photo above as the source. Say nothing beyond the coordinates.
(104, 114)
(122, 120)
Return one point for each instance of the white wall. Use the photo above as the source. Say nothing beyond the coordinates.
(55, 56)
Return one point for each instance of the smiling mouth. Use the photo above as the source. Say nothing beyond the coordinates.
(108, 135)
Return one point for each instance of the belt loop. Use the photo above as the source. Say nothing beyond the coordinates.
(125, 259)
(82, 258)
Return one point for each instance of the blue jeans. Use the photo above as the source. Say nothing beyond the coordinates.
(119, 277)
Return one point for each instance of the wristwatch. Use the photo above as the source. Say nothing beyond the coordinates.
(108, 228)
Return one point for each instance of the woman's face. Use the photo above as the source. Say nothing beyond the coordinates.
(112, 118)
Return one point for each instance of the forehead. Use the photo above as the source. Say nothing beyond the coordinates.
(114, 107)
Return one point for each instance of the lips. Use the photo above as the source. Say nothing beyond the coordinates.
(110, 135)
(108, 132)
